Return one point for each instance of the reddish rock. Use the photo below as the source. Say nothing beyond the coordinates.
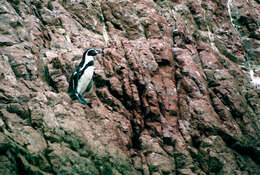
(171, 95)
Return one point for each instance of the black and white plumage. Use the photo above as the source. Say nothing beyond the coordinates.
(81, 78)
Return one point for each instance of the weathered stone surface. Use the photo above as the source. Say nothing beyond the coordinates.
(171, 95)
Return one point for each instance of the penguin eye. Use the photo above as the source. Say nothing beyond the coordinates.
(92, 52)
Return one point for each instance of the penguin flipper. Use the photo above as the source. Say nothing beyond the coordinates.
(89, 86)
(82, 100)
(73, 83)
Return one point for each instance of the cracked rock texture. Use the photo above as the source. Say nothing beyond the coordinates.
(171, 95)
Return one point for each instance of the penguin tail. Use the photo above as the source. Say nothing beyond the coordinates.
(82, 100)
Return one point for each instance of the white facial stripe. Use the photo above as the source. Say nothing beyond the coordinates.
(91, 50)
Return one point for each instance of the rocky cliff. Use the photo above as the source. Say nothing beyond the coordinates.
(177, 91)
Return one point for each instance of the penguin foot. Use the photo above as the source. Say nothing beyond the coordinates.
(82, 100)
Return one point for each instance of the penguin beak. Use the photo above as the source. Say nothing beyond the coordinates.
(100, 52)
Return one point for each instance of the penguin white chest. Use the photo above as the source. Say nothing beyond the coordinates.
(85, 79)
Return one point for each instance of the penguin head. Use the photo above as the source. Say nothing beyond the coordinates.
(94, 52)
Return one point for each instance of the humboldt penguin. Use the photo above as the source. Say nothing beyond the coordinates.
(81, 78)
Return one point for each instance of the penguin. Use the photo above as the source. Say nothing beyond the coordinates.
(81, 78)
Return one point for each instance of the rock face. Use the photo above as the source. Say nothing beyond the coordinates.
(171, 96)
